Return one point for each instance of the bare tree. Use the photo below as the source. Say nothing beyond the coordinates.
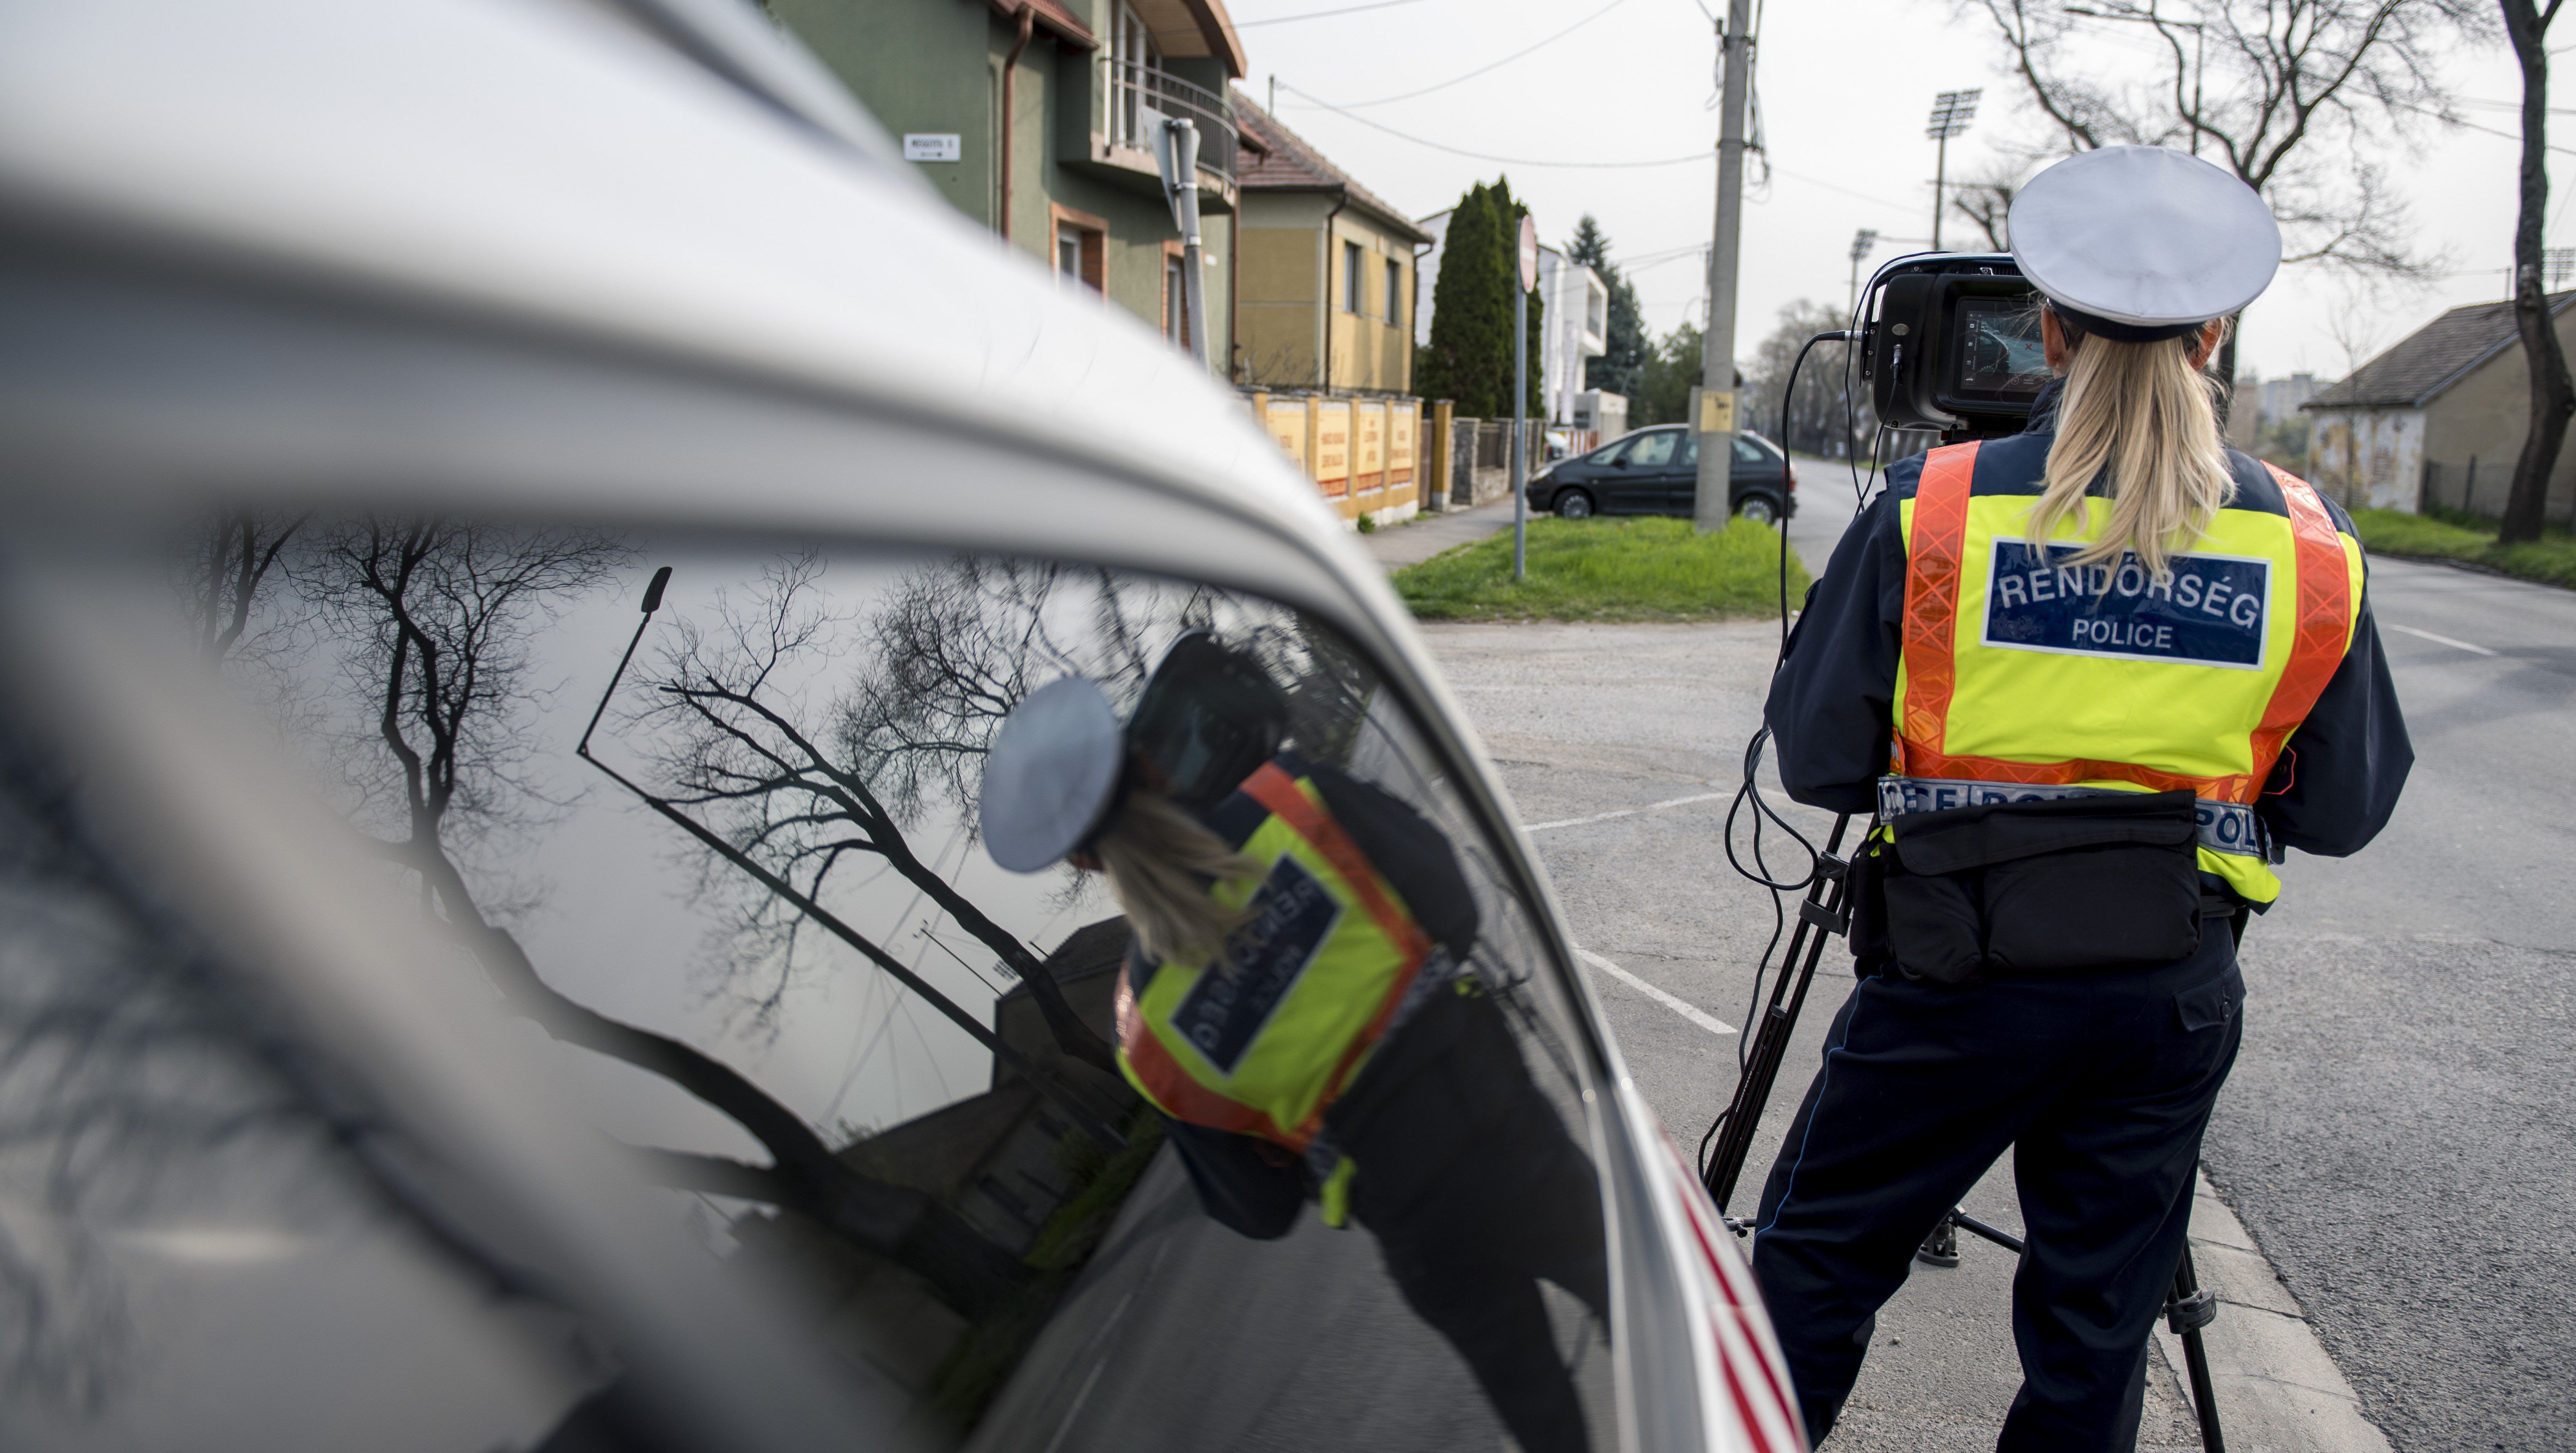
(232, 560)
(2290, 95)
(2553, 395)
(441, 615)
(1815, 421)
(1985, 196)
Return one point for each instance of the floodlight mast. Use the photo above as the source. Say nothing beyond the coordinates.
(1952, 111)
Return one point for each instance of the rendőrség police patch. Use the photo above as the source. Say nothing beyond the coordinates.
(2208, 610)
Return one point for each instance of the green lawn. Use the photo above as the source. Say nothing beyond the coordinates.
(2550, 559)
(1650, 569)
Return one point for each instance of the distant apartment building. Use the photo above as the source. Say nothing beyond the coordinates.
(1325, 281)
(1574, 325)
(1038, 119)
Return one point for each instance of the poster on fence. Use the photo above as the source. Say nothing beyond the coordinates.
(1333, 449)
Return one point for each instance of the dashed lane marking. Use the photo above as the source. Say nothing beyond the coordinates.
(1649, 807)
(1682, 1007)
(2439, 640)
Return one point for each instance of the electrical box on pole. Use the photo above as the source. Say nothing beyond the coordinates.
(1713, 406)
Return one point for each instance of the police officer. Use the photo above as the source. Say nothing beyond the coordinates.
(2090, 679)
(1295, 1002)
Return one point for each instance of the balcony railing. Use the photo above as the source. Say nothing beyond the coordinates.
(1136, 90)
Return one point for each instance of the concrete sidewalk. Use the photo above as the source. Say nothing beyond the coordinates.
(1621, 745)
(1423, 536)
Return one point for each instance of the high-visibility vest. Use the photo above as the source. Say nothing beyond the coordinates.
(1264, 1042)
(2020, 676)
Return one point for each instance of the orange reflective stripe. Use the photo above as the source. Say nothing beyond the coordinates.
(2325, 619)
(1932, 599)
(1273, 788)
(1173, 1092)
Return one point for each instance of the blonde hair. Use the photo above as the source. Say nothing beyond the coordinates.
(1159, 860)
(2141, 411)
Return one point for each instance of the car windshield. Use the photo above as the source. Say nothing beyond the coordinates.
(722, 860)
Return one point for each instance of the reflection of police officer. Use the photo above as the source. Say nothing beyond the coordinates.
(1294, 1001)
(2084, 756)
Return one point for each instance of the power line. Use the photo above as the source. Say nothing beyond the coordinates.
(1487, 156)
(1507, 60)
(1320, 14)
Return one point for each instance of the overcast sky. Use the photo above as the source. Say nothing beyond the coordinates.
(1844, 89)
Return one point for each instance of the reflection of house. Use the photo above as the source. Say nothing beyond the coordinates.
(1078, 85)
(1574, 326)
(1006, 1160)
(2438, 419)
(1326, 276)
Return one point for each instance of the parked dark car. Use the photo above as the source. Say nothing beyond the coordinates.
(1656, 472)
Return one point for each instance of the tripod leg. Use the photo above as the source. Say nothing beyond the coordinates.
(1941, 1248)
(2190, 1310)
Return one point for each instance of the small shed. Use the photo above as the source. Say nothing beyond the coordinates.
(2438, 420)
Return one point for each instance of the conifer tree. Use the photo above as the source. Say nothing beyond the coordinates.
(1469, 358)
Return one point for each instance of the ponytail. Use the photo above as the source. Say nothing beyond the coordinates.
(1160, 860)
(2141, 412)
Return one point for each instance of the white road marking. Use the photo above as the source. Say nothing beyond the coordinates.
(1682, 1007)
(1649, 807)
(2439, 640)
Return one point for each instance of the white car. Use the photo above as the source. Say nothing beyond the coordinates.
(444, 1006)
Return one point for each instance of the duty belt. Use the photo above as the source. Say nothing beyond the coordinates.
(2225, 827)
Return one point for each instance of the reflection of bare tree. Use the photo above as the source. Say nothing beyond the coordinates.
(440, 617)
(123, 1092)
(799, 808)
(232, 560)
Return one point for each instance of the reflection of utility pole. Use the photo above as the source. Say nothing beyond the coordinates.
(1862, 242)
(1092, 1123)
(1951, 113)
(1714, 418)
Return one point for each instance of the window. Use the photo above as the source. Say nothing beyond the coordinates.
(821, 713)
(1081, 248)
(1394, 291)
(1350, 277)
(1749, 450)
(1653, 449)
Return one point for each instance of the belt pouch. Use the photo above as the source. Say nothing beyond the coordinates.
(2020, 888)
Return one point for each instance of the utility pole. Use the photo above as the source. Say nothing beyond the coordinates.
(1527, 276)
(1713, 403)
(1951, 113)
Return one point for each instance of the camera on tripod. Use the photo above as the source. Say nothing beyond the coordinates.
(1951, 342)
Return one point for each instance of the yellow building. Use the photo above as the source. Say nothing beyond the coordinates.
(1324, 271)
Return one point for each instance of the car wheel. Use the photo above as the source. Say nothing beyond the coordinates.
(1574, 504)
(1761, 509)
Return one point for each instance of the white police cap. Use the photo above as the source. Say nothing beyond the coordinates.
(1051, 774)
(2138, 243)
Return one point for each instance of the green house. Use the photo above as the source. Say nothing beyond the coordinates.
(1037, 118)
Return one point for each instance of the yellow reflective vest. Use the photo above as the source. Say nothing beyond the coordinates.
(1263, 1040)
(2023, 676)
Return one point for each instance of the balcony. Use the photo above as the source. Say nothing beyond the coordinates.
(1131, 98)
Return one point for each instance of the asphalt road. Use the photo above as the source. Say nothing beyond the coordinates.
(2400, 1134)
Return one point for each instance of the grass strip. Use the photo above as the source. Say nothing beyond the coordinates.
(1650, 569)
(2550, 560)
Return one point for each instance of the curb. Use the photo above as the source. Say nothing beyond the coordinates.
(2277, 1391)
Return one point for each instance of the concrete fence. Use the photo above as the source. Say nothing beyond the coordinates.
(2479, 486)
(1362, 453)
(1480, 459)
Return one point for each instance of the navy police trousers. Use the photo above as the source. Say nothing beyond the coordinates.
(2101, 1083)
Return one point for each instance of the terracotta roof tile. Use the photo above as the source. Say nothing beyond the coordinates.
(1279, 160)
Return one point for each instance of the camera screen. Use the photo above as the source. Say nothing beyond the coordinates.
(1995, 352)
